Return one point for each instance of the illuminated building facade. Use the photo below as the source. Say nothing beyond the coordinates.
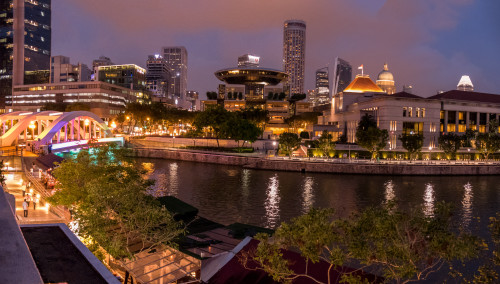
(248, 60)
(294, 54)
(177, 59)
(157, 76)
(25, 42)
(101, 61)
(342, 76)
(105, 100)
(192, 97)
(322, 91)
(61, 70)
(128, 76)
(400, 113)
(385, 80)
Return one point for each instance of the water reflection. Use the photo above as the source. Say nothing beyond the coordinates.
(467, 205)
(272, 202)
(173, 185)
(307, 194)
(429, 200)
(389, 194)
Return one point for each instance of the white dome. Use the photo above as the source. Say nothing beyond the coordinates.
(385, 75)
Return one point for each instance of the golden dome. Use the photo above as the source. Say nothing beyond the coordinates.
(363, 84)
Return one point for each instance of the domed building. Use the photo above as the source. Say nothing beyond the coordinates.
(385, 80)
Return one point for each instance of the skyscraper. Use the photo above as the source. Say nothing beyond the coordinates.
(294, 53)
(177, 59)
(61, 70)
(322, 90)
(342, 75)
(25, 42)
(157, 76)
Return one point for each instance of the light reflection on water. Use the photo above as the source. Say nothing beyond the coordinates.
(429, 200)
(467, 205)
(272, 203)
(308, 194)
(389, 193)
(173, 185)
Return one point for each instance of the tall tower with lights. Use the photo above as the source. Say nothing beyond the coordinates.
(294, 54)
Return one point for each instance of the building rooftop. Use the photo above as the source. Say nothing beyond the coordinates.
(405, 95)
(60, 260)
(468, 96)
(363, 84)
(251, 75)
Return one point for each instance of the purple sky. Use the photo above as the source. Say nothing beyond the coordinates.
(427, 43)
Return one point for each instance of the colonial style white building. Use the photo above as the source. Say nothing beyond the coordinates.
(452, 111)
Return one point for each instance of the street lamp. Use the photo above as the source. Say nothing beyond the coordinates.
(32, 127)
(430, 154)
(87, 123)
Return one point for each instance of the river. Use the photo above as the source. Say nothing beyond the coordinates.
(228, 194)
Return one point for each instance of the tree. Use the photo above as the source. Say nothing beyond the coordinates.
(213, 118)
(403, 246)
(241, 129)
(488, 143)
(54, 106)
(370, 137)
(270, 96)
(212, 95)
(449, 143)
(488, 273)
(412, 143)
(240, 96)
(304, 135)
(256, 115)
(303, 119)
(288, 142)
(108, 197)
(325, 143)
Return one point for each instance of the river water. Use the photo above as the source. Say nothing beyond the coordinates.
(228, 194)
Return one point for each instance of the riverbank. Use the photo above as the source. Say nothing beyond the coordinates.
(338, 167)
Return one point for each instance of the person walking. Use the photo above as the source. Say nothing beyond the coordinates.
(24, 190)
(25, 208)
(28, 198)
(35, 201)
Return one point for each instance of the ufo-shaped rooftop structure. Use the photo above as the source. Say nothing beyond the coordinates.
(251, 76)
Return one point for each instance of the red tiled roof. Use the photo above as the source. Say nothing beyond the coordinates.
(468, 96)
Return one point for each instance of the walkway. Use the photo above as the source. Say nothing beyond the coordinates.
(40, 215)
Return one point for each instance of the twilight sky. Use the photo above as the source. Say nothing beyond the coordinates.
(427, 43)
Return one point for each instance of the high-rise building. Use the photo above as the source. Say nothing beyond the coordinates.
(465, 84)
(177, 59)
(129, 76)
(157, 76)
(322, 91)
(342, 76)
(294, 54)
(192, 97)
(61, 70)
(25, 42)
(101, 61)
(385, 80)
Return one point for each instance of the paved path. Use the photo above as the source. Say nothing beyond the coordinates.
(40, 215)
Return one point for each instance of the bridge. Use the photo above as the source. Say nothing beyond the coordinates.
(59, 129)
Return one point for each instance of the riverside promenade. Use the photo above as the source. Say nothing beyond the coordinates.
(315, 165)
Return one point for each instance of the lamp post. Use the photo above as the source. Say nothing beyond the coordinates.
(430, 154)
(32, 127)
(87, 123)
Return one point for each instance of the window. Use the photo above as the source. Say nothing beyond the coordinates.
(423, 112)
(404, 112)
(441, 114)
(393, 126)
(410, 112)
(461, 128)
(461, 115)
(417, 110)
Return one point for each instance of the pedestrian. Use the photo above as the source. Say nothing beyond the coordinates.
(28, 199)
(35, 201)
(24, 190)
(25, 208)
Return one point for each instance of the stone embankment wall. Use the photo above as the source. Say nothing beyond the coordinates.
(318, 167)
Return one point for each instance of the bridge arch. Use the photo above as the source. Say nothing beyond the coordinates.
(24, 119)
(72, 121)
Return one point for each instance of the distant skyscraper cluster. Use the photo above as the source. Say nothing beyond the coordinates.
(465, 84)
(294, 54)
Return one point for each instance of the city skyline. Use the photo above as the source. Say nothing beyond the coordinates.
(422, 42)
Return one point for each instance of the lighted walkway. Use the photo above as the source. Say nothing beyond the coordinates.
(40, 215)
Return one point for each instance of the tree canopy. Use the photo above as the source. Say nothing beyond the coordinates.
(108, 196)
(401, 246)
(449, 143)
(288, 142)
(369, 136)
(412, 143)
